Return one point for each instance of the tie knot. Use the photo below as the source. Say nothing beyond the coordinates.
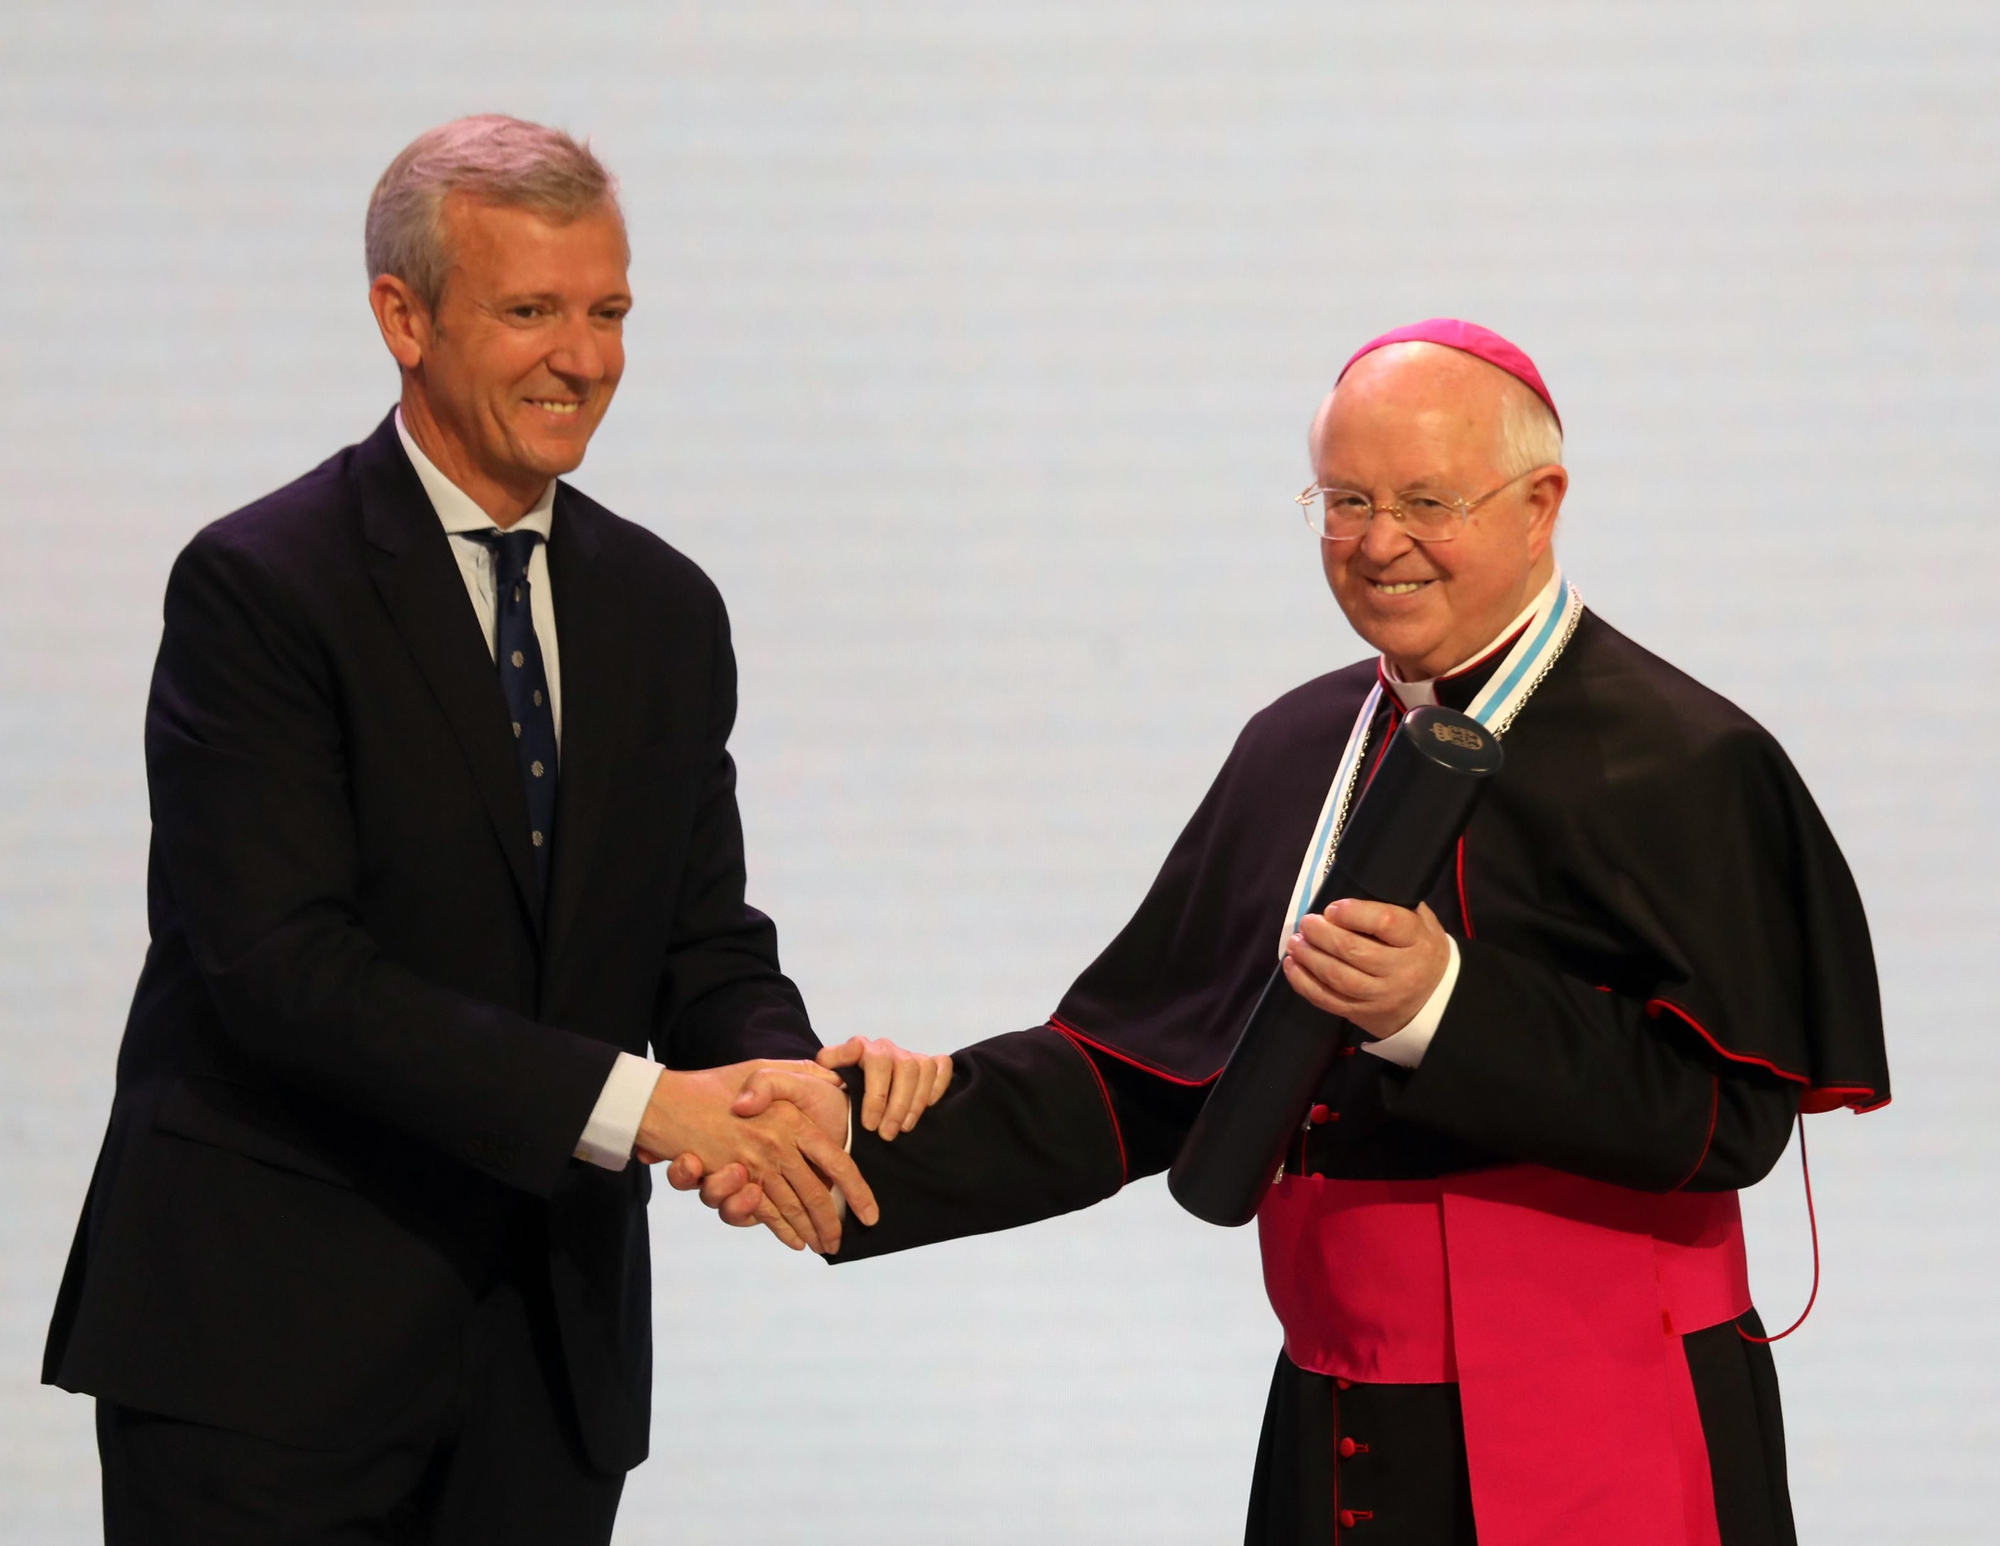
(514, 548)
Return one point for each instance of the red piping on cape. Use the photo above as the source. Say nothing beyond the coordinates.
(1653, 1008)
(1714, 1111)
(1815, 1098)
(1464, 912)
(1388, 734)
(1111, 1111)
(1144, 1067)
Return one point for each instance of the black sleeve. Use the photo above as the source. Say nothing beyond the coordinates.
(1024, 1133)
(1539, 1066)
(724, 999)
(1153, 1114)
(256, 840)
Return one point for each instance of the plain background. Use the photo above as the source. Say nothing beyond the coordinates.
(974, 350)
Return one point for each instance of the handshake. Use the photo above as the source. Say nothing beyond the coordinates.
(766, 1142)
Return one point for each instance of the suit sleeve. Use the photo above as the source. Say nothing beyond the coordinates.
(255, 838)
(1025, 1132)
(725, 999)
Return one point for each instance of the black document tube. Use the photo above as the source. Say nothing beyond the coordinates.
(1396, 843)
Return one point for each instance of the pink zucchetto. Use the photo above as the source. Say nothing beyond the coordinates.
(1468, 338)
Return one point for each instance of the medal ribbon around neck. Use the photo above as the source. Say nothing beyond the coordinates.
(1499, 703)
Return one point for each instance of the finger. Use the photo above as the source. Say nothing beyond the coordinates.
(805, 1095)
(936, 1072)
(838, 1167)
(1337, 976)
(906, 1090)
(1362, 951)
(804, 1068)
(740, 1209)
(1396, 926)
(725, 1183)
(1310, 988)
(878, 1069)
(943, 1068)
(685, 1173)
(769, 1216)
(846, 1055)
(783, 1195)
(758, 1091)
(810, 1189)
(1329, 985)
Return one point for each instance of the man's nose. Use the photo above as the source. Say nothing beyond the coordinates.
(578, 354)
(1385, 540)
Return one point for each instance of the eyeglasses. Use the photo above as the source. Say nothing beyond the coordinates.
(1345, 514)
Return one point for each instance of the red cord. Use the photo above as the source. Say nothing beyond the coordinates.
(1811, 1219)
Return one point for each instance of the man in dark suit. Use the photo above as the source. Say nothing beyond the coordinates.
(365, 1255)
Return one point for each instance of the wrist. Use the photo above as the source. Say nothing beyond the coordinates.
(664, 1127)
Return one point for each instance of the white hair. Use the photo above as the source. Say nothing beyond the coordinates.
(1529, 434)
(492, 157)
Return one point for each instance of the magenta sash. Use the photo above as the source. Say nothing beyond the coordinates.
(1556, 1304)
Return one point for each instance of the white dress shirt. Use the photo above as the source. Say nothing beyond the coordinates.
(613, 1127)
(1407, 1046)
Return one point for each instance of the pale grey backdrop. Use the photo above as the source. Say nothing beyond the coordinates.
(973, 353)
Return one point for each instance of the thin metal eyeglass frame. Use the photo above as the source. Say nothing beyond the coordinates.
(1464, 507)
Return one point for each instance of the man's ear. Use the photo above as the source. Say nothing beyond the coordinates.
(405, 321)
(1545, 497)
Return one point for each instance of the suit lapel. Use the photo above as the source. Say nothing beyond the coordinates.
(410, 561)
(596, 669)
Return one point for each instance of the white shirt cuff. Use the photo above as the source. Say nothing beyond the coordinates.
(613, 1128)
(846, 1147)
(1407, 1046)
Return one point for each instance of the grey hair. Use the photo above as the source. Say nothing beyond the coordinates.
(1529, 434)
(492, 157)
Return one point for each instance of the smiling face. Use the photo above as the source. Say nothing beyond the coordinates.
(1414, 418)
(505, 383)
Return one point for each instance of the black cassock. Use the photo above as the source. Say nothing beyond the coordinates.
(1662, 954)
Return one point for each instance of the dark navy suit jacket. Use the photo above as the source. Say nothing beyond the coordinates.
(363, 1046)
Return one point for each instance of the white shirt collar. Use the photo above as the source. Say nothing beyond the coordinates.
(1417, 694)
(458, 510)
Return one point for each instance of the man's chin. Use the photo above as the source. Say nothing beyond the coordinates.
(552, 457)
(1401, 637)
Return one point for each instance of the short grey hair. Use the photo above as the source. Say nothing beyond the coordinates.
(1530, 437)
(491, 157)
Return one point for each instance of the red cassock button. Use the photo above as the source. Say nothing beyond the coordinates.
(1342, 1384)
(1347, 1519)
(1318, 1114)
(1347, 1449)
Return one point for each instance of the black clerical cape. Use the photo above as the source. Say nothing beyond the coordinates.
(1663, 957)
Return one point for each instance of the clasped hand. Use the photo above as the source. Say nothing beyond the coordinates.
(765, 1142)
(1371, 963)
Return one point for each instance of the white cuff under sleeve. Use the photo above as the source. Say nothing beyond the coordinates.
(613, 1128)
(1408, 1045)
(846, 1147)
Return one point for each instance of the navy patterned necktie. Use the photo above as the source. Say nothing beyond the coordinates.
(525, 685)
